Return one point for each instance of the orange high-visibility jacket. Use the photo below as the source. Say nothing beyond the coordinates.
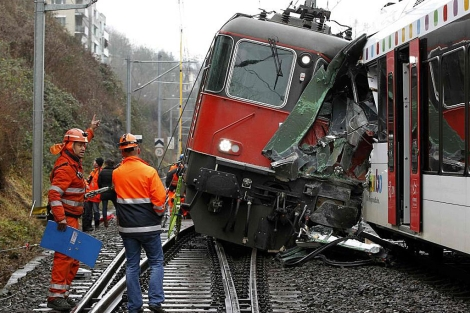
(138, 188)
(93, 184)
(67, 190)
(172, 176)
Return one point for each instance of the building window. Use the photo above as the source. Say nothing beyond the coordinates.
(61, 20)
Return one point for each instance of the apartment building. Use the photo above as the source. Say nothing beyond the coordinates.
(88, 25)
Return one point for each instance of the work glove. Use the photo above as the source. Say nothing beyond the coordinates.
(62, 225)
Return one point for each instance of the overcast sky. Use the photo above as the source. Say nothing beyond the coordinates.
(158, 24)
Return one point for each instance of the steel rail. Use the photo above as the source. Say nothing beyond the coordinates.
(112, 299)
(101, 283)
(232, 305)
(253, 286)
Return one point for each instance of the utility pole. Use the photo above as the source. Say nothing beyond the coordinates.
(180, 143)
(129, 93)
(38, 89)
(159, 96)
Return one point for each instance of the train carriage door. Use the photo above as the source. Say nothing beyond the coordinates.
(405, 179)
(391, 140)
(415, 138)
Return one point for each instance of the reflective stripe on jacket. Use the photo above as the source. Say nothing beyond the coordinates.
(67, 190)
(138, 187)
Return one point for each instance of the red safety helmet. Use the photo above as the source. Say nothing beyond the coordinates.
(75, 134)
(127, 141)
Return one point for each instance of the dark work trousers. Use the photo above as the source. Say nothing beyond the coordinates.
(87, 216)
(96, 213)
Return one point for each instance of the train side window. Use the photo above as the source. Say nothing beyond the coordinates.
(453, 111)
(432, 117)
(261, 73)
(382, 101)
(219, 63)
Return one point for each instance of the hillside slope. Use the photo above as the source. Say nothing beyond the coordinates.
(76, 87)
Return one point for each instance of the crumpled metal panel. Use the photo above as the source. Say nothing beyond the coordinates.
(285, 141)
(327, 140)
(357, 120)
(290, 160)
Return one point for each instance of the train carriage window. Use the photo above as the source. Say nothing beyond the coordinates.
(432, 118)
(219, 63)
(382, 101)
(453, 111)
(261, 73)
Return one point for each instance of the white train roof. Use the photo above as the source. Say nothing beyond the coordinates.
(412, 22)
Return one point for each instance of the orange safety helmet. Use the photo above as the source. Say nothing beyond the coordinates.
(75, 134)
(127, 141)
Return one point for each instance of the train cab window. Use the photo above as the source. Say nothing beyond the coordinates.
(453, 111)
(219, 63)
(261, 73)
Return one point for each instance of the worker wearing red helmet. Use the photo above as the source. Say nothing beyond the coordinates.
(140, 196)
(66, 197)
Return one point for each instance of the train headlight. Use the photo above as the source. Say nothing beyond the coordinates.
(225, 145)
(230, 146)
(305, 60)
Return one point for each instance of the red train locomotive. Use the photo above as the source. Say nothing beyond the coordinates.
(282, 130)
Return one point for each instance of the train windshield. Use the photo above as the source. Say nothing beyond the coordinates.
(219, 64)
(261, 73)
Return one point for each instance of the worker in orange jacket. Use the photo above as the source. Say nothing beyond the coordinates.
(92, 209)
(140, 196)
(66, 197)
(171, 182)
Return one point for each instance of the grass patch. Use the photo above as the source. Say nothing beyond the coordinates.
(19, 233)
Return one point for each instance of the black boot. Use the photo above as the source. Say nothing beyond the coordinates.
(97, 224)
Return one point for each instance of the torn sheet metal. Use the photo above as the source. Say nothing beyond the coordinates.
(292, 159)
(306, 111)
(316, 239)
(327, 140)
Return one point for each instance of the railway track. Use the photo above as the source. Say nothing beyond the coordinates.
(205, 275)
(201, 275)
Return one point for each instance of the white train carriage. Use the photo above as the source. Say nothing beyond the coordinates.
(419, 71)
